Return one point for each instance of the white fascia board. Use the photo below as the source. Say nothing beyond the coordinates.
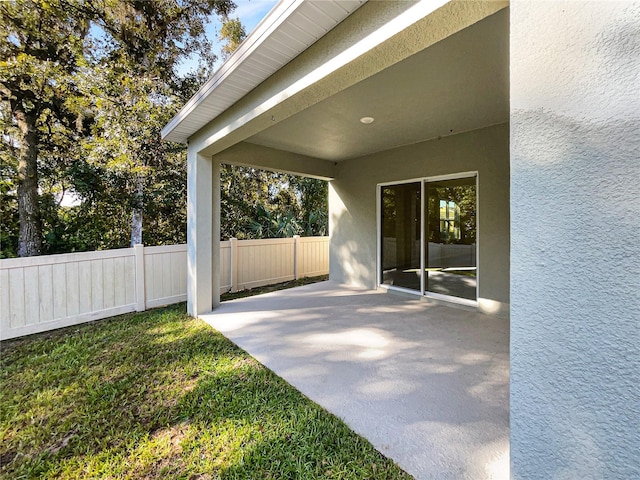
(267, 25)
(271, 23)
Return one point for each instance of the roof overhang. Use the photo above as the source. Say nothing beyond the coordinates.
(423, 69)
(289, 29)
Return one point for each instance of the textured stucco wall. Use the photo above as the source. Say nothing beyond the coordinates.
(575, 240)
(352, 205)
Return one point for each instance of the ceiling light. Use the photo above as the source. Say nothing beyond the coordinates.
(367, 120)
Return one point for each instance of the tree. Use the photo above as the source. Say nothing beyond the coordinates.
(314, 204)
(9, 222)
(268, 224)
(41, 46)
(96, 82)
(59, 55)
(233, 34)
(145, 44)
(261, 204)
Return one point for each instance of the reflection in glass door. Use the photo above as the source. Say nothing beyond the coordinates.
(400, 235)
(450, 244)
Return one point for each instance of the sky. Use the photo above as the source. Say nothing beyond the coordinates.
(250, 12)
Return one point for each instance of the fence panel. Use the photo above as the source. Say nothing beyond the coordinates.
(313, 256)
(54, 291)
(48, 292)
(165, 275)
(225, 267)
(264, 262)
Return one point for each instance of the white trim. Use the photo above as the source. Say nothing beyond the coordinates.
(396, 288)
(401, 182)
(281, 16)
(373, 40)
(435, 178)
(431, 296)
(477, 235)
(276, 16)
(454, 176)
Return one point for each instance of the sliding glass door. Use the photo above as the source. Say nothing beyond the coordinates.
(401, 210)
(450, 246)
(428, 236)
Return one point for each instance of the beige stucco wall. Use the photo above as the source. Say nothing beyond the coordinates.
(352, 206)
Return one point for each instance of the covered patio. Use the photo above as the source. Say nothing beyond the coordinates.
(535, 101)
(426, 383)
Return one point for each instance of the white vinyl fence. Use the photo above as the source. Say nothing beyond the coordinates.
(254, 263)
(43, 293)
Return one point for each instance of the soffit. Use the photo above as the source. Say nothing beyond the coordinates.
(289, 29)
(456, 85)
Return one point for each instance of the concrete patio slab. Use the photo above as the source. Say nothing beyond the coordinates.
(426, 384)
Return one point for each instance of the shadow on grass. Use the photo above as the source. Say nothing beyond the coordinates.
(160, 394)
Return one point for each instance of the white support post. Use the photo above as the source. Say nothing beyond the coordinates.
(199, 233)
(296, 257)
(138, 251)
(215, 233)
(233, 267)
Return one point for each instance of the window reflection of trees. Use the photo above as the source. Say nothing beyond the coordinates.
(452, 213)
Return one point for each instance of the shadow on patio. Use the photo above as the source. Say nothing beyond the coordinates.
(427, 384)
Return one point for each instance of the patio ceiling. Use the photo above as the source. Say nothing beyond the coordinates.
(457, 85)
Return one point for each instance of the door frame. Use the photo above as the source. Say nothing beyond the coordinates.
(422, 293)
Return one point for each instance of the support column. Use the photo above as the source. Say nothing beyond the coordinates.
(215, 234)
(199, 233)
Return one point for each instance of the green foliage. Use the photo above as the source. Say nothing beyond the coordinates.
(99, 81)
(41, 51)
(260, 204)
(8, 202)
(161, 395)
(274, 225)
(86, 88)
(233, 34)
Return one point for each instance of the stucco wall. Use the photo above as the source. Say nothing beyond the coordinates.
(352, 205)
(575, 240)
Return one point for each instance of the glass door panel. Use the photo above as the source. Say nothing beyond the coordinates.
(400, 235)
(450, 240)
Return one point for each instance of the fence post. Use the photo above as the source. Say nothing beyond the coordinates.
(233, 270)
(296, 256)
(138, 251)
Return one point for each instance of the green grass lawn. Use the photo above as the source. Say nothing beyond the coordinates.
(162, 395)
